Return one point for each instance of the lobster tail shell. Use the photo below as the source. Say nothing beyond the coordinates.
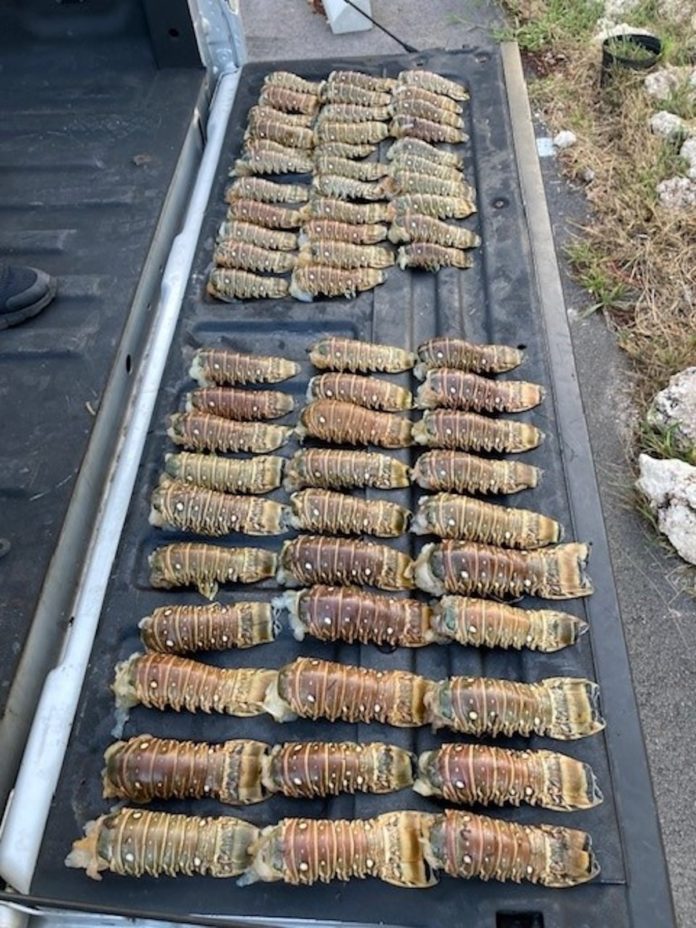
(560, 707)
(317, 510)
(315, 768)
(311, 559)
(483, 570)
(165, 681)
(332, 468)
(332, 613)
(215, 627)
(546, 854)
(461, 517)
(482, 623)
(472, 773)
(227, 475)
(147, 768)
(134, 842)
(312, 688)
(459, 472)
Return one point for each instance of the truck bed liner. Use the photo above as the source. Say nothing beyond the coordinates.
(496, 301)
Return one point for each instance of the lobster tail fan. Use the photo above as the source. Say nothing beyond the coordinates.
(575, 708)
(570, 859)
(570, 784)
(563, 571)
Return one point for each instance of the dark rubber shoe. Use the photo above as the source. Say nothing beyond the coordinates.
(24, 292)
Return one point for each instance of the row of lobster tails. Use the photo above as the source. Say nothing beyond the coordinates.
(558, 707)
(406, 849)
(245, 771)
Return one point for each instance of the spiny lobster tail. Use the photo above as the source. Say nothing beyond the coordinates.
(485, 623)
(146, 768)
(468, 774)
(166, 681)
(575, 708)
(134, 842)
(215, 627)
(461, 517)
(320, 768)
(550, 855)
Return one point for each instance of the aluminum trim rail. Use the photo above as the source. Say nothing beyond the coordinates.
(28, 807)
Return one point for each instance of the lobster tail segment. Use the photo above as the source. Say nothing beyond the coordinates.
(575, 709)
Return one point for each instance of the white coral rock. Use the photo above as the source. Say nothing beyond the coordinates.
(677, 193)
(564, 139)
(668, 125)
(670, 488)
(674, 408)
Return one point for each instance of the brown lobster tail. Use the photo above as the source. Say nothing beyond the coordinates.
(333, 613)
(471, 773)
(347, 354)
(318, 510)
(331, 468)
(205, 566)
(315, 768)
(134, 842)
(314, 689)
(444, 351)
(461, 517)
(165, 681)
(200, 431)
(306, 851)
(560, 707)
(370, 392)
(466, 845)
(312, 559)
(147, 768)
(244, 405)
(466, 473)
(348, 424)
(217, 627)
(222, 366)
(483, 570)
(257, 475)
(482, 623)
(177, 505)
(468, 431)
(455, 389)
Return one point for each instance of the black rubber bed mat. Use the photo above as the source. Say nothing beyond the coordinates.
(90, 133)
(495, 301)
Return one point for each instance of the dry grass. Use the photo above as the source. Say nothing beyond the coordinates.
(637, 260)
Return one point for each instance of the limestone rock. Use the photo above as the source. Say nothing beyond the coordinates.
(674, 409)
(564, 139)
(670, 487)
(677, 193)
(688, 153)
(663, 83)
(615, 9)
(668, 126)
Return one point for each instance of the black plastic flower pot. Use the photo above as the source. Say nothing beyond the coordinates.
(633, 50)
